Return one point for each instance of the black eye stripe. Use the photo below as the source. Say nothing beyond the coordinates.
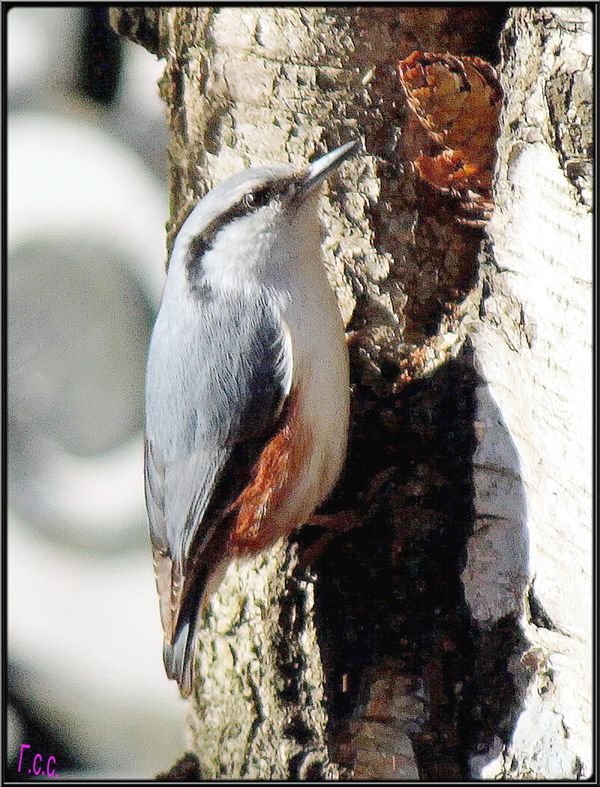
(249, 202)
(197, 248)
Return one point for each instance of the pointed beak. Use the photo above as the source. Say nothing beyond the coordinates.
(320, 169)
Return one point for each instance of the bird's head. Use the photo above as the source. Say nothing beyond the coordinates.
(256, 221)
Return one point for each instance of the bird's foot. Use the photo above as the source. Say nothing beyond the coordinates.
(334, 525)
(340, 522)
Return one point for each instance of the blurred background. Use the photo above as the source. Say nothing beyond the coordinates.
(87, 203)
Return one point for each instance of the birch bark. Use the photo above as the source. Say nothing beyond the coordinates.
(529, 558)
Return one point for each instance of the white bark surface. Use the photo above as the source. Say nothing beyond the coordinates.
(531, 553)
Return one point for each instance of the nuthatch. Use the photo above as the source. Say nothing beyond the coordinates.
(247, 388)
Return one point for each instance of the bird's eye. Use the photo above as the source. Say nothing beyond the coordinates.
(257, 199)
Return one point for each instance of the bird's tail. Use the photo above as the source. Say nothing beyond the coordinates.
(178, 657)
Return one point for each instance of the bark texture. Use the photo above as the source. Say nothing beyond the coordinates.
(529, 559)
(405, 651)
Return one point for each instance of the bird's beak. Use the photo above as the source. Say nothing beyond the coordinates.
(324, 166)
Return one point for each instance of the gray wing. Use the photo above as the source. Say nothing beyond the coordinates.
(217, 379)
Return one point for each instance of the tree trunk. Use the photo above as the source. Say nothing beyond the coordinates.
(530, 556)
(432, 639)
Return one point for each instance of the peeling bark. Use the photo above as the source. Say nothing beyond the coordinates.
(529, 559)
(404, 651)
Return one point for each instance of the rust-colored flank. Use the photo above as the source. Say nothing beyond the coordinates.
(282, 463)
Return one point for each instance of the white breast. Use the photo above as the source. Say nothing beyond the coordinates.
(320, 359)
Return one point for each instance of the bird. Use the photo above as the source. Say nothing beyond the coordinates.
(247, 388)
